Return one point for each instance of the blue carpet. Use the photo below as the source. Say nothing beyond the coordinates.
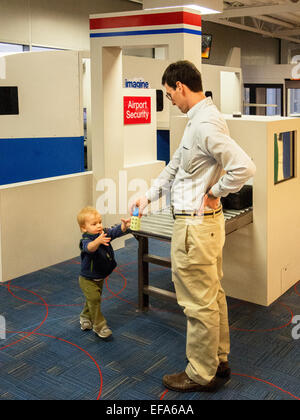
(57, 361)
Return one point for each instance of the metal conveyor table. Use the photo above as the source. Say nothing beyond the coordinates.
(160, 226)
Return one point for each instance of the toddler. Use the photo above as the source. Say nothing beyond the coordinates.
(97, 262)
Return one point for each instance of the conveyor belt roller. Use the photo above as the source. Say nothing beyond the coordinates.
(160, 224)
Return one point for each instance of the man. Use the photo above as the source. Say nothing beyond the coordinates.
(197, 181)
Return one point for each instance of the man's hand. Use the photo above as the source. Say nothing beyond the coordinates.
(211, 201)
(125, 225)
(141, 203)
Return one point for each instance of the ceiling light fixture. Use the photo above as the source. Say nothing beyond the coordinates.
(205, 7)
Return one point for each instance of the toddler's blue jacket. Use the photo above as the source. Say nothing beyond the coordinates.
(101, 263)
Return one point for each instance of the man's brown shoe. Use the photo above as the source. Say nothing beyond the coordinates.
(224, 370)
(180, 382)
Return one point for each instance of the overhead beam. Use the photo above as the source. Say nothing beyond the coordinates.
(295, 31)
(275, 21)
(256, 11)
(292, 18)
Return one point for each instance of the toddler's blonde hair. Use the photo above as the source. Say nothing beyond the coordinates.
(81, 217)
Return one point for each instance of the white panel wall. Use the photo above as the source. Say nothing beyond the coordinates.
(230, 92)
(49, 95)
(54, 23)
(262, 260)
(38, 223)
(229, 99)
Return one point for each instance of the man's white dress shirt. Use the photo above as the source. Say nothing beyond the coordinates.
(206, 149)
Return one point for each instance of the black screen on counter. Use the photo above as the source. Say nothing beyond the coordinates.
(9, 100)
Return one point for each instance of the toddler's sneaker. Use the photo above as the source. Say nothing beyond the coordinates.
(86, 325)
(105, 332)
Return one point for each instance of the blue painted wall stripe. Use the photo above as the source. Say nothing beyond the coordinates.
(26, 159)
(81, 138)
(149, 32)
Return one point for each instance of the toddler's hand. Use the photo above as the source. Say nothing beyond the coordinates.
(103, 240)
(125, 224)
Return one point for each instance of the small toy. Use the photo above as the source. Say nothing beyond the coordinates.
(135, 220)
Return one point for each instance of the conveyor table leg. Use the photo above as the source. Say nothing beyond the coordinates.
(143, 275)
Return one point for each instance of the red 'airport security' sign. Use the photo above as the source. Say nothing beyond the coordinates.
(137, 110)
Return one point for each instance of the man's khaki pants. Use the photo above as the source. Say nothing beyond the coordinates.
(197, 245)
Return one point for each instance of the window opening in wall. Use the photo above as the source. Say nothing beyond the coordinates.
(37, 48)
(273, 96)
(247, 101)
(284, 156)
(263, 99)
(11, 48)
(294, 102)
(292, 105)
(139, 52)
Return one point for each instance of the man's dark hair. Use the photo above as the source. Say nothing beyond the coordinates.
(184, 72)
